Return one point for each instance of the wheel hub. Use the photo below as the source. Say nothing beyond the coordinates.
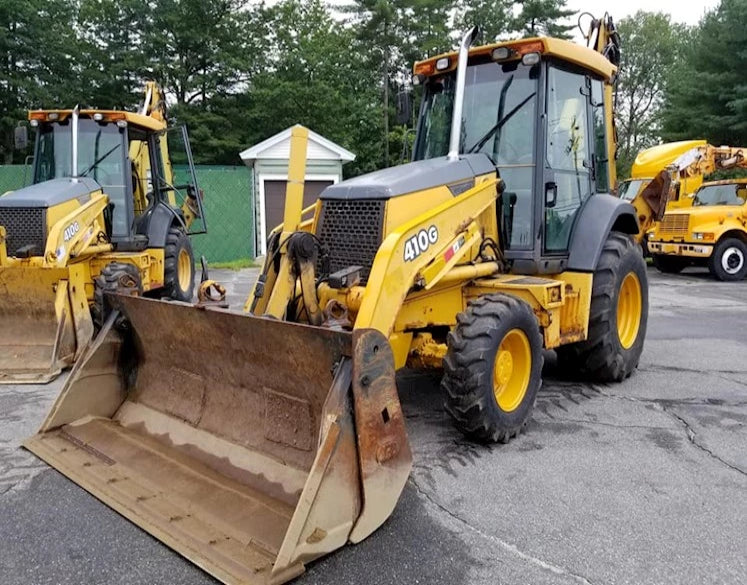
(512, 370)
(184, 270)
(732, 260)
(629, 309)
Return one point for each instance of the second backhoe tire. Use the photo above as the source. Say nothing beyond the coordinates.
(493, 368)
(669, 264)
(729, 260)
(617, 319)
(115, 277)
(179, 266)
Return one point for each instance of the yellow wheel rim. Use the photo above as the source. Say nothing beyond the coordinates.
(184, 266)
(512, 370)
(629, 307)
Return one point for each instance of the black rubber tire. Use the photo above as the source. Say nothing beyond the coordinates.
(115, 277)
(737, 251)
(468, 367)
(177, 241)
(602, 357)
(669, 264)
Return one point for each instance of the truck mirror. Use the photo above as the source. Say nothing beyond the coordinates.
(21, 137)
(404, 106)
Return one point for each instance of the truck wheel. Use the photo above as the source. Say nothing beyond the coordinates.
(115, 277)
(617, 319)
(668, 264)
(729, 260)
(493, 368)
(178, 266)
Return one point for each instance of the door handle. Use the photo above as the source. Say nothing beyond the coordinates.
(551, 194)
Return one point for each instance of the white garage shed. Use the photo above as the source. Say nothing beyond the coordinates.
(269, 162)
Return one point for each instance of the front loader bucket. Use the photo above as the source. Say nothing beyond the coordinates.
(249, 445)
(37, 332)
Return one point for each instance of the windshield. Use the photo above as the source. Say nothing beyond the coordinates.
(630, 188)
(99, 151)
(499, 115)
(728, 194)
(101, 156)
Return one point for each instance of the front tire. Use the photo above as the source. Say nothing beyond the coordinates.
(118, 277)
(178, 266)
(729, 260)
(617, 319)
(493, 368)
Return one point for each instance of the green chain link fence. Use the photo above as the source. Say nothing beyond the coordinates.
(228, 206)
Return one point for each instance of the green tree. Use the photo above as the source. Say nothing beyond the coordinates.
(548, 17)
(38, 67)
(652, 44)
(707, 92)
(494, 17)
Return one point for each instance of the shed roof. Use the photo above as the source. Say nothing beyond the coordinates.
(278, 147)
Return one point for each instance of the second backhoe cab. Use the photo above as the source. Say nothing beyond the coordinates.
(544, 117)
(119, 151)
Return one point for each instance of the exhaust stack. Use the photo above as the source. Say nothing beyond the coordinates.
(456, 118)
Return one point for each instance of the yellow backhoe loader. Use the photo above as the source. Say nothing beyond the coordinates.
(102, 214)
(253, 444)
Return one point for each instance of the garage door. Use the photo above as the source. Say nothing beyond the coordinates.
(275, 199)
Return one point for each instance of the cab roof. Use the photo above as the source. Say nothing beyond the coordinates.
(740, 181)
(559, 48)
(146, 122)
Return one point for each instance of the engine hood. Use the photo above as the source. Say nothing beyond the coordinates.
(51, 193)
(411, 177)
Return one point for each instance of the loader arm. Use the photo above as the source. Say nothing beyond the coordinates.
(393, 272)
(77, 233)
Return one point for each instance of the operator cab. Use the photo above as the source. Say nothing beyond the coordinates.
(119, 151)
(541, 117)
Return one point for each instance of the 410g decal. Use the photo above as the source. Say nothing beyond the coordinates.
(420, 242)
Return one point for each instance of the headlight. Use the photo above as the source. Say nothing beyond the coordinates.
(697, 235)
(703, 236)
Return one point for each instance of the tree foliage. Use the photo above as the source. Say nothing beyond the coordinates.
(238, 71)
(707, 91)
(652, 44)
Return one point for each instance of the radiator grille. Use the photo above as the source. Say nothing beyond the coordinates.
(24, 226)
(674, 224)
(351, 231)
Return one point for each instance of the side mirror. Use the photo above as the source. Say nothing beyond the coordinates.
(21, 137)
(404, 107)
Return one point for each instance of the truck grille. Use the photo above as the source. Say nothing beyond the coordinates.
(674, 225)
(24, 227)
(351, 231)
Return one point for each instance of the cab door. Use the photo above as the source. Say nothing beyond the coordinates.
(568, 164)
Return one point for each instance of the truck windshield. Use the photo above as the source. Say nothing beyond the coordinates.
(99, 152)
(728, 194)
(630, 188)
(499, 119)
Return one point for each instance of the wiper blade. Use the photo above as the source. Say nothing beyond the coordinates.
(500, 123)
(96, 162)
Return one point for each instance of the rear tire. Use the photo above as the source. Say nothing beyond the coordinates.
(178, 267)
(669, 264)
(729, 260)
(115, 277)
(617, 319)
(493, 368)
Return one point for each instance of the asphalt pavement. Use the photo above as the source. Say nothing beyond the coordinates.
(643, 482)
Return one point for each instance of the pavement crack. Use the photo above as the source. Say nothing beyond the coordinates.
(692, 438)
(511, 548)
(606, 424)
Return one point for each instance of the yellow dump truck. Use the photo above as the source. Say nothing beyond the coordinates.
(103, 213)
(254, 444)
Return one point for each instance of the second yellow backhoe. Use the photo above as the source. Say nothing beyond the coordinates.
(102, 214)
(253, 444)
